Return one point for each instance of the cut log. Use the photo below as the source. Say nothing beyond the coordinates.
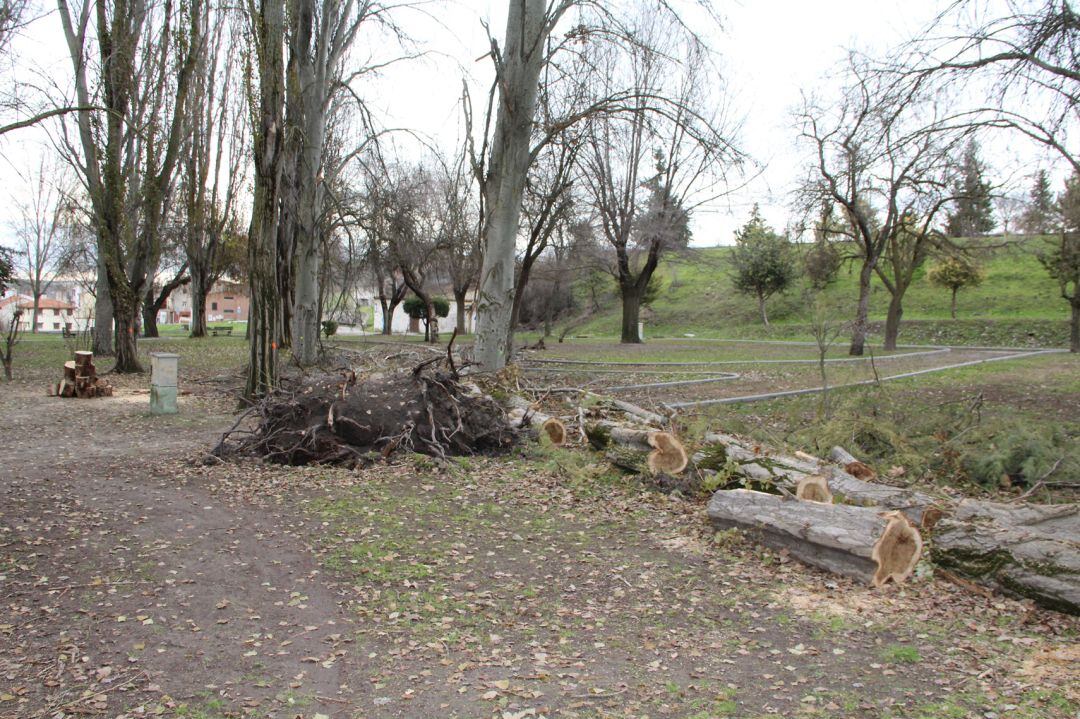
(857, 469)
(858, 542)
(70, 370)
(551, 427)
(82, 358)
(634, 448)
(814, 488)
(760, 464)
(631, 409)
(1027, 551)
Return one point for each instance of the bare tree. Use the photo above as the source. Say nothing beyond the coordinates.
(45, 218)
(1015, 63)
(214, 163)
(266, 88)
(127, 160)
(458, 237)
(877, 155)
(9, 329)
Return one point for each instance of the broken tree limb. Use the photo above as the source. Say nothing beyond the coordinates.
(1028, 551)
(760, 464)
(631, 409)
(858, 542)
(522, 412)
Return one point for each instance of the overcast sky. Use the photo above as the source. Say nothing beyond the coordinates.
(771, 51)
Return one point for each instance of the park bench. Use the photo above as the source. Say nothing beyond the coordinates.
(215, 331)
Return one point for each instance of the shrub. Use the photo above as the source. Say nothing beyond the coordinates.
(329, 327)
(414, 307)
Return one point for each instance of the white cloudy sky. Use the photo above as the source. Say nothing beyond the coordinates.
(771, 50)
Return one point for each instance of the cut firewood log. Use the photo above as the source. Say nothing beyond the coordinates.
(762, 465)
(814, 488)
(552, 427)
(858, 542)
(70, 370)
(83, 358)
(638, 449)
(1028, 551)
(857, 469)
(631, 409)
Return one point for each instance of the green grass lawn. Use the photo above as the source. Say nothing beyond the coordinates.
(1017, 303)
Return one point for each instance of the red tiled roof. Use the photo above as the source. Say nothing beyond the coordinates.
(46, 303)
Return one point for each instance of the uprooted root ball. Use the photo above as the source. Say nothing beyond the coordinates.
(348, 420)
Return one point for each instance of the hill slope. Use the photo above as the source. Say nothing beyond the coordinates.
(1017, 303)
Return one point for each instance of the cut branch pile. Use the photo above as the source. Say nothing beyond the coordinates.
(839, 517)
(81, 380)
(348, 420)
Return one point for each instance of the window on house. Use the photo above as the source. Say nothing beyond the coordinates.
(69, 313)
(229, 310)
(213, 305)
(228, 297)
(56, 325)
(55, 312)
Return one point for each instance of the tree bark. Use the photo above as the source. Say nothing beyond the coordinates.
(761, 309)
(149, 315)
(892, 320)
(522, 59)
(857, 542)
(1074, 323)
(459, 302)
(265, 316)
(1029, 551)
(199, 290)
(862, 311)
(631, 312)
(953, 305)
(103, 315)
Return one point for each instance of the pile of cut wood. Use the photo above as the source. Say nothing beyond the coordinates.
(81, 380)
(837, 515)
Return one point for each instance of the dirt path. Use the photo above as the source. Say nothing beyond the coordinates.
(136, 583)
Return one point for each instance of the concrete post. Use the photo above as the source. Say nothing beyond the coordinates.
(163, 373)
(641, 331)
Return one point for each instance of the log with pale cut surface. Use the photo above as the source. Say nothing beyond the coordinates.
(521, 411)
(859, 542)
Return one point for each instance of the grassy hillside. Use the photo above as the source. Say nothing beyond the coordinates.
(1016, 303)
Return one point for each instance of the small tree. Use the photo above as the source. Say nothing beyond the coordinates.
(974, 213)
(1040, 215)
(823, 259)
(762, 261)
(7, 268)
(416, 308)
(954, 274)
(1062, 260)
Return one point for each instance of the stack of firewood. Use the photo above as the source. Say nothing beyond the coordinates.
(81, 380)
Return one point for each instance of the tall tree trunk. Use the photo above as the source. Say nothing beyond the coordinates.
(36, 312)
(892, 320)
(103, 315)
(199, 290)
(522, 60)
(459, 301)
(761, 309)
(265, 316)
(126, 312)
(862, 311)
(387, 316)
(305, 334)
(1074, 323)
(149, 314)
(953, 308)
(631, 311)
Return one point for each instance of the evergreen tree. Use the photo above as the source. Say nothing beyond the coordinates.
(7, 268)
(954, 274)
(974, 211)
(762, 261)
(1040, 217)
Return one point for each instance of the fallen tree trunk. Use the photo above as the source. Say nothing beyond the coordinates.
(857, 542)
(1028, 551)
(522, 412)
(761, 465)
(638, 450)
